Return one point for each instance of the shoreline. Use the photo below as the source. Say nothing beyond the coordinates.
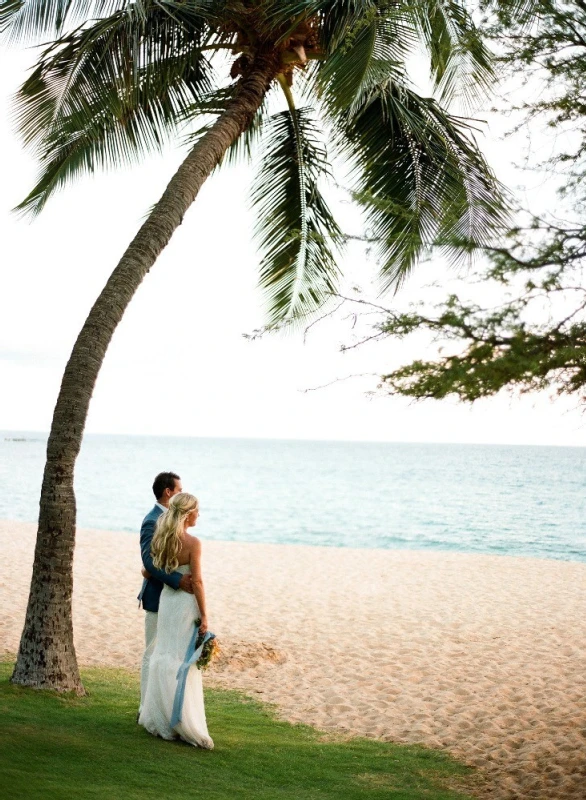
(480, 655)
(422, 551)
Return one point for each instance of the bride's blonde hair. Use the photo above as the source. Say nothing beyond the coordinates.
(166, 544)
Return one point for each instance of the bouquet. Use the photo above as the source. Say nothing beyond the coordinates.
(210, 651)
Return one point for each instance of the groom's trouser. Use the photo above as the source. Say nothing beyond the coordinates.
(150, 637)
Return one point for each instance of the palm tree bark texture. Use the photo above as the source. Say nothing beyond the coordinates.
(46, 657)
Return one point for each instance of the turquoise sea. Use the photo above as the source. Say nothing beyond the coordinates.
(523, 501)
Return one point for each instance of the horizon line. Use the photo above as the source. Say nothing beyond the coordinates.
(292, 439)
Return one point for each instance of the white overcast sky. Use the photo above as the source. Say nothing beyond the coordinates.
(179, 363)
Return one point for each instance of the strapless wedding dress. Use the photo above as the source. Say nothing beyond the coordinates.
(175, 632)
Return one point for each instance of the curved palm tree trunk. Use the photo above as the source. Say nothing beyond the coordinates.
(46, 657)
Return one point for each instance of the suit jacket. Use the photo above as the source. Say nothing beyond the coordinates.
(153, 586)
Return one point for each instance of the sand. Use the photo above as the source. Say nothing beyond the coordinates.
(483, 656)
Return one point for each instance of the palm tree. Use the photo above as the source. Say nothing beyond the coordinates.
(120, 78)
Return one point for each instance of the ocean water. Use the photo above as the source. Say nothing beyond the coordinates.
(523, 501)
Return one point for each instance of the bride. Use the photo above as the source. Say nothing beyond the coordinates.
(173, 706)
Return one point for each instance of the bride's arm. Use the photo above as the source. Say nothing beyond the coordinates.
(197, 583)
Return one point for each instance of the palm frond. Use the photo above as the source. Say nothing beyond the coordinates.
(40, 20)
(513, 9)
(296, 231)
(420, 178)
(341, 17)
(26, 20)
(460, 62)
(336, 16)
(104, 95)
(374, 50)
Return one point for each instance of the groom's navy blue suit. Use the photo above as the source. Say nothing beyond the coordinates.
(153, 586)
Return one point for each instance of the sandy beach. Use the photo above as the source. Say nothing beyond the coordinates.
(483, 656)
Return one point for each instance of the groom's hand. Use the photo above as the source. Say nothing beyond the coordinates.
(185, 584)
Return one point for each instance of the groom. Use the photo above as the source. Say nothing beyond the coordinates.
(165, 485)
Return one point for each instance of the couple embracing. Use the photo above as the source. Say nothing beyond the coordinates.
(176, 625)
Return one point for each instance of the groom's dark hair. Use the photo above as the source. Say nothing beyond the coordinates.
(164, 480)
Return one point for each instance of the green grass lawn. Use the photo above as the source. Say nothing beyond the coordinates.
(59, 747)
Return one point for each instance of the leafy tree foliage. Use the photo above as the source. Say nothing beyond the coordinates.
(535, 338)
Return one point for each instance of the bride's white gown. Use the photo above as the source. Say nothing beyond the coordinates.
(177, 614)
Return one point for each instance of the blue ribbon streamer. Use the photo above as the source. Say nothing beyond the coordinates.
(192, 656)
